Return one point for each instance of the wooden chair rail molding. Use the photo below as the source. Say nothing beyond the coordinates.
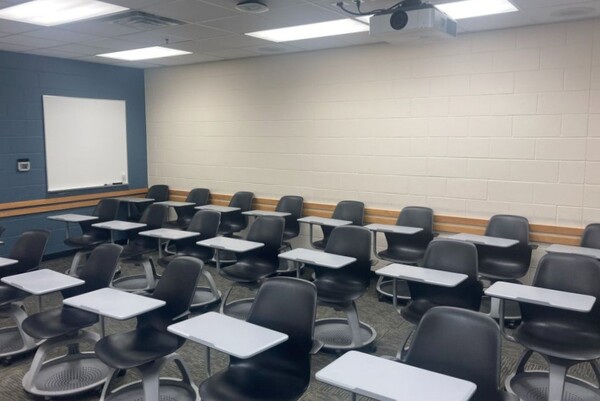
(540, 233)
(62, 203)
(450, 224)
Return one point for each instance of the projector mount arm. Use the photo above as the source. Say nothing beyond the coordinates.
(401, 5)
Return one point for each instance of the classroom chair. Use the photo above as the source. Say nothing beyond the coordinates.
(159, 193)
(149, 347)
(563, 338)
(451, 256)
(591, 236)
(254, 266)
(406, 249)
(205, 222)
(198, 196)
(28, 250)
(463, 344)
(282, 373)
(234, 222)
(293, 205)
(62, 328)
(506, 264)
(353, 211)
(91, 237)
(136, 251)
(341, 288)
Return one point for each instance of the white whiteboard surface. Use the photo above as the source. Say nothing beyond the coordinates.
(86, 142)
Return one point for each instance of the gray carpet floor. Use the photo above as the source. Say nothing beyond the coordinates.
(391, 332)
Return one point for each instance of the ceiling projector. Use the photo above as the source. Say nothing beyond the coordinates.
(406, 24)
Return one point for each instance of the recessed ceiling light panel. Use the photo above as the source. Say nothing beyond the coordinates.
(145, 53)
(311, 31)
(476, 8)
(56, 12)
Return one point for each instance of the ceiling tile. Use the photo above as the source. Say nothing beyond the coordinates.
(113, 44)
(233, 53)
(52, 52)
(61, 35)
(186, 59)
(570, 11)
(192, 32)
(138, 4)
(273, 4)
(244, 23)
(152, 38)
(16, 27)
(227, 42)
(190, 11)
(80, 49)
(98, 28)
(34, 43)
(9, 47)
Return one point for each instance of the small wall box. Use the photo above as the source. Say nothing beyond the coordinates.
(23, 165)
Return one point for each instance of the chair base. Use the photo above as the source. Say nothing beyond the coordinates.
(385, 289)
(13, 340)
(204, 297)
(239, 309)
(534, 386)
(152, 387)
(336, 335)
(67, 375)
(170, 390)
(133, 283)
(70, 374)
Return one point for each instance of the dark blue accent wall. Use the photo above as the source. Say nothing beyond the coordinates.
(23, 81)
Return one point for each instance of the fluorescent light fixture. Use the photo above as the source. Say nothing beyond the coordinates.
(311, 31)
(56, 12)
(144, 53)
(476, 8)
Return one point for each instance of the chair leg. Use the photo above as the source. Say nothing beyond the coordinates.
(523, 359)
(224, 301)
(596, 368)
(77, 262)
(17, 312)
(557, 374)
(150, 272)
(211, 283)
(354, 323)
(111, 377)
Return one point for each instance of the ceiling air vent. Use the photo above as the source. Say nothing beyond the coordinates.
(142, 21)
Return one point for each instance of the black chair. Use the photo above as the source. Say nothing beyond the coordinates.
(506, 264)
(293, 205)
(136, 251)
(91, 237)
(282, 373)
(353, 211)
(463, 344)
(205, 222)
(2, 229)
(198, 196)
(62, 327)
(591, 236)
(563, 338)
(28, 250)
(341, 288)
(254, 266)
(406, 249)
(159, 193)
(235, 222)
(451, 256)
(149, 347)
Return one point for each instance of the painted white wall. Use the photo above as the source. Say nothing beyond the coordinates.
(496, 122)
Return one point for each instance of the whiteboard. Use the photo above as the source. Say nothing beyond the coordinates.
(86, 142)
